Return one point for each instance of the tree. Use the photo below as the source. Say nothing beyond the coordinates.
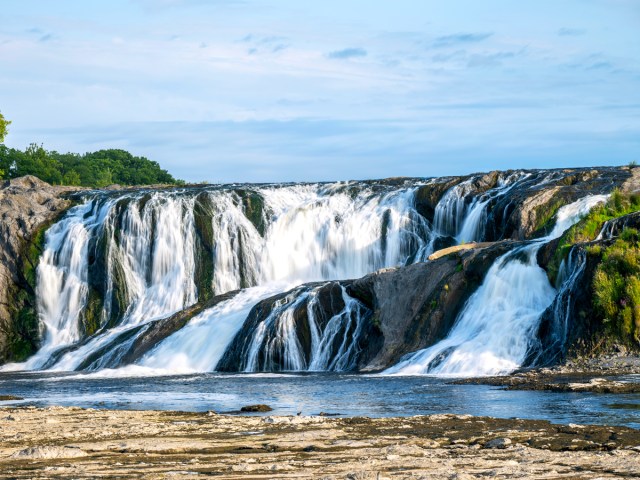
(4, 127)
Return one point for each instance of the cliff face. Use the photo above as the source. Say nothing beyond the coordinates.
(383, 315)
(27, 206)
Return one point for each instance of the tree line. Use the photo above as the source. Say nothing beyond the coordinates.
(94, 169)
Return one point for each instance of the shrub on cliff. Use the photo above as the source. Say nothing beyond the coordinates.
(588, 228)
(616, 286)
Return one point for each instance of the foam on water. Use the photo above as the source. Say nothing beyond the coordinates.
(497, 326)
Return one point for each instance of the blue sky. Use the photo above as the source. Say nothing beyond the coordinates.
(283, 90)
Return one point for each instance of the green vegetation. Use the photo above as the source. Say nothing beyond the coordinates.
(97, 169)
(616, 287)
(545, 215)
(587, 229)
(4, 127)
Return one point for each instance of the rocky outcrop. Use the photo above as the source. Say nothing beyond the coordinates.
(416, 306)
(529, 210)
(571, 326)
(403, 309)
(27, 206)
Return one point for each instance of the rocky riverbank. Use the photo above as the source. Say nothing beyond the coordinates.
(64, 442)
(612, 373)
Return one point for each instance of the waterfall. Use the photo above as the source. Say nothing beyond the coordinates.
(461, 212)
(333, 342)
(61, 298)
(201, 343)
(122, 260)
(117, 266)
(551, 346)
(497, 326)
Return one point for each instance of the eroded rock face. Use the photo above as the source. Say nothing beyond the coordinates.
(27, 205)
(529, 211)
(416, 306)
(403, 310)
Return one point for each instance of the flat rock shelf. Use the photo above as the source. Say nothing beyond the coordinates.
(63, 442)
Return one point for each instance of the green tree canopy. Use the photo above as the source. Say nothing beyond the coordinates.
(95, 169)
(4, 127)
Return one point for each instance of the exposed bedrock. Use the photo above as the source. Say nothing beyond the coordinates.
(528, 209)
(150, 253)
(415, 306)
(27, 206)
(402, 310)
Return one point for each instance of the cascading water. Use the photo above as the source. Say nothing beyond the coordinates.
(199, 346)
(333, 341)
(115, 268)
(120, 261)
(61, 298)
(497, 326)
(552, 346)
(461, 211)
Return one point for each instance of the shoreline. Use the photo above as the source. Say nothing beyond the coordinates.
(63, 442)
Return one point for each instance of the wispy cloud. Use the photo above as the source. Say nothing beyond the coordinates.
(571, 32)
(460, 38)
(46, 38)
(490, 59)
(269, 43)
(347, 53)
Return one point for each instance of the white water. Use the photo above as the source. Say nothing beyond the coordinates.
(199, 346)
(495, 329)
(323, 355)
(151, 255)
(326, 235)
(314, 232)
(62, 297)
(333, 346)
(461, 212)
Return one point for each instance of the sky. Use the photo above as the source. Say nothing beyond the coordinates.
(289, 90)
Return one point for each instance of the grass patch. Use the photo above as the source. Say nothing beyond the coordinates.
(588, 228)
(616, 287)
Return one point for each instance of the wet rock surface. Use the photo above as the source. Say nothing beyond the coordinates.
(68, 442)
(27, 204)
(416, 306)
(604, 374)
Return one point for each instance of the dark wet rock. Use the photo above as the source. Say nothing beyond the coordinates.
(528, 211)
(328, 302)
(27, 206)
(561, 381)
(500, 443)
(428, 196)
(416, 306)
(256, 408)
(9, 398)
(147, 336)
